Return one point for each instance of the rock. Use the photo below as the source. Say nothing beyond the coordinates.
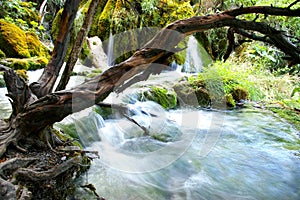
(99, 58)
(191, 96)
(166, 97)
(35, 46)
(239, 94)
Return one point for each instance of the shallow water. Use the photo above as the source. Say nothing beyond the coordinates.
(241, 154)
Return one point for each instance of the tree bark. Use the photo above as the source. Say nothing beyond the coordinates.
(46, 82)
(77, 46)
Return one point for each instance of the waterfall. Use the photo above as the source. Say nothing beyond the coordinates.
(110, 50)
(193, 62)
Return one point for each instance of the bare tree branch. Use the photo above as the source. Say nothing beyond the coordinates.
(77, 46)
(47, 80)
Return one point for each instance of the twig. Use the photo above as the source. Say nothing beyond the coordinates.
(292, 4)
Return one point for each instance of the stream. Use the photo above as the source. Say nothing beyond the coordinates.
(246, 156)
(187, 153)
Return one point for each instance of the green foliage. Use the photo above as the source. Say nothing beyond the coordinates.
(2, 82)
(290, 115)
(23, 14)
(295, 90)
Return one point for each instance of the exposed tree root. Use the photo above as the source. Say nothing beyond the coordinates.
(34, 175)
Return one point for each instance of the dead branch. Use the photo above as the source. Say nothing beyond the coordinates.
(77, 46)
(47, 80)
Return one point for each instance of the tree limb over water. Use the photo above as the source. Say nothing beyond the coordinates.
(36, 108)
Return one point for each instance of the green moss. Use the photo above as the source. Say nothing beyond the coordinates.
(239, 94)
(167, 98)
(56, 25)
(13, 40)
(94, 72)
(25, 63)
(19, 64)
(22, 74)
(292, 116)
(229, 100)
(35, 47)
(2, 54)
(2, 82)
(37, 63)
(105, 19)
(94, 26)
(28, 12)
(175, 10)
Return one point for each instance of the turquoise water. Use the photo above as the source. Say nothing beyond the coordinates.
(241, 154)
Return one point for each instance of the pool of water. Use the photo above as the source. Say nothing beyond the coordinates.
(241, 154)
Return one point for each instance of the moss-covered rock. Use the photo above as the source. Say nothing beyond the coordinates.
(189, 95)
(105, 19)
(33, 63)
(175, 10)
(94, 27)
(35, 47)
(29, 14)
(239, 94)
(13, 40)
(230, 101)
(166, 97)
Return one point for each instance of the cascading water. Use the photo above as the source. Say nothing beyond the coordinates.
(196, 57)
(251, 158)
(189, 153)
(110, 50)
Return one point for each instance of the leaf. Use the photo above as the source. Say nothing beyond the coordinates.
(295, 90)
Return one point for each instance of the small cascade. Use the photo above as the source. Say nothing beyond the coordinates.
(84, 125)
(110, 50)
(193, 62)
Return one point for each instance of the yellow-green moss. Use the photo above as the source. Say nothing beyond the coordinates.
(2, 54)
(13, 40)
(166, 97)
(22, 73)
(35, 47)
(56, 25)
(29, 14)
(37, 63)
(25, 63)
(229, 100)
(173, 10)
(19, 64)
(105, 20)
(94, 26)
